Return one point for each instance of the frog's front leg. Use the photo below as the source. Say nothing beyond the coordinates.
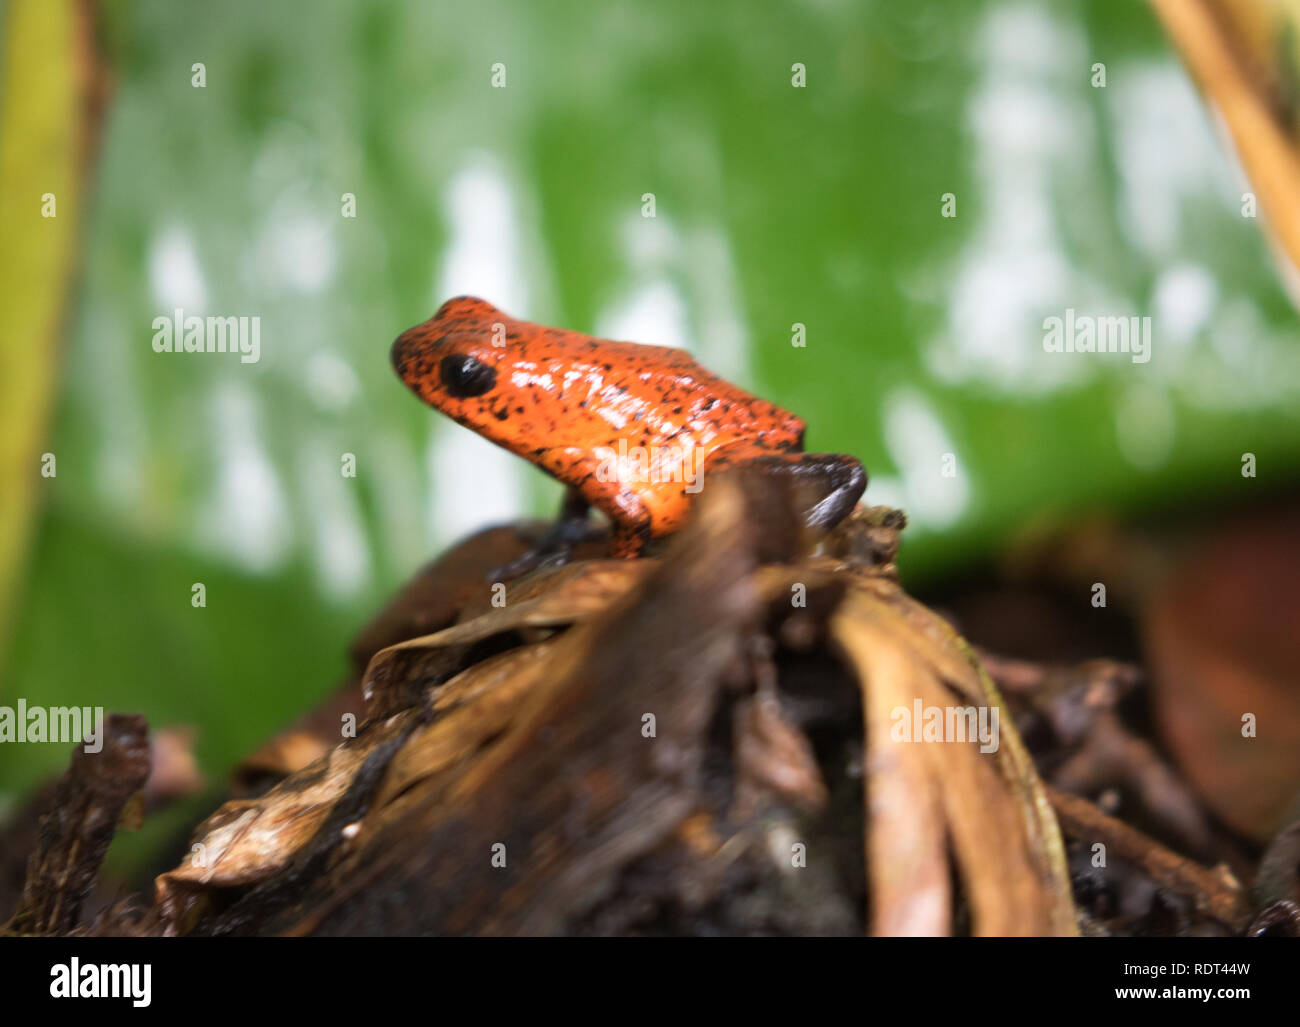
(588, 486)
(828, 485)
(629, 517)
(555, 547)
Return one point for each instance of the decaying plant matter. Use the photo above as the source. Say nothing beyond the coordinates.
(704, 741)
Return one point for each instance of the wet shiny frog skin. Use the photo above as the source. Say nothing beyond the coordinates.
(630, 428)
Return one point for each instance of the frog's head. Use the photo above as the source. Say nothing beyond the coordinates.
(451, 361)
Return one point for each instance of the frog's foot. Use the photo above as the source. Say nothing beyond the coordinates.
(843, 480)
(827, 485)
(555, 548)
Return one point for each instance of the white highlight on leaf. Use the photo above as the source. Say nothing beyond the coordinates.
(484, 257)
(175, 277)
(917, 442)
(341, 551)
(1032, 139)
(330, 381)
(475, 483)
(296, 250)
(653, 313)
(1165, 153)
(246, 519)
(1183, 300)
(683, 292)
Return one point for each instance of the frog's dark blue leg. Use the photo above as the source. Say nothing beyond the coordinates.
(826, 485)
(844, 481)
(554, 548)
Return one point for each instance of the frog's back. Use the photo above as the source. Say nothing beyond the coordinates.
(553, 389)
(666, 395)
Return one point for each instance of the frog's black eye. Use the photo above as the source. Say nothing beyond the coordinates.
(465, 376)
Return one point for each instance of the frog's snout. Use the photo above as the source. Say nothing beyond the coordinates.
(405, 355)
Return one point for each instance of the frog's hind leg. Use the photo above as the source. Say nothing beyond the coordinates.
(844, 480)
(555, 548)
(826, 485)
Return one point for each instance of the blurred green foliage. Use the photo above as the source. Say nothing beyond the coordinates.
(775, 205)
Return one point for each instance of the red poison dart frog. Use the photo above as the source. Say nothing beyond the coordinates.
(628, 428)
